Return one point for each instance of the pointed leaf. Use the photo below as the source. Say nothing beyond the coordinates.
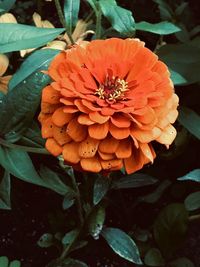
(192, 202)
(101, 187)
(96, 221)
(69, 237)
(120, 18)
(122, 244)
(37, 61)
(190, 120)
(45, 241)
(134, 181)
(162, 28)
(6, 5)
(182, 262)
(5, 192)
(193, 176)
(71, 10)
(154, 258)
(15, 37)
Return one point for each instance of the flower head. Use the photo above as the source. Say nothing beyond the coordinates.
(108, 101)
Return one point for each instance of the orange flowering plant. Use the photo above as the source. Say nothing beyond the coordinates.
(91, 108)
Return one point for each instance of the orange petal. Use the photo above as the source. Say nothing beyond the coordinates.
(167, 136)
(60, 135)
(70, 152)
(76, 131)
(172, 116)
(53, 147)
(147, 152)
(47, 128)
(98, 131)
(49, 108)
(84, 119)
(106, 156)
(88, 148)
(78, 103)
(124, 149)
(60, 118)
(119, 133)
(70, 109)
(43, 117)
(91, 165)
(135, 162)
(108, 145)
(120, 121)
(146, 136)
(109, 164)
(50, 95)
(97, 117)
(90, 105)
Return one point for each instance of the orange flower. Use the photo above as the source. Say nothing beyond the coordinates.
(4, 80)
(108, 101)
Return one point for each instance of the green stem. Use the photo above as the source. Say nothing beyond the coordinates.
(98, 23)
(78, 199)
(25, 148)
(62, 20)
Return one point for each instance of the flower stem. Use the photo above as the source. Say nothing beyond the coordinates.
(98, 23)
(194, 217)
(62, 20)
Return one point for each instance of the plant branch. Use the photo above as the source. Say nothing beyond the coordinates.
(194, 217)
(62, 20)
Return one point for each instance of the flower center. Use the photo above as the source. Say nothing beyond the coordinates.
(112, 89)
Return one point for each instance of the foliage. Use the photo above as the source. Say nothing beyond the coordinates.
(168, 187)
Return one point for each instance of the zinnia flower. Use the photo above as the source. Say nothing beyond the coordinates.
(108, 101)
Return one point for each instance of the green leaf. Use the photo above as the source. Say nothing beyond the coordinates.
(134, 181)
(15, 37)
(162, 28)
(71, 10)
(45, 241)
(5, 192)
(190, 120)
(73, 263)
(4, 261)
(93, 4)
(166, 12)
(19, 164)
(170, 227)
(69, 237)
(19, 106)
(101, 187)
(181, 8)
(37, 61)
(177, 78)
(53, 181)
(96, 221)
(192, 202)
(6, 5)
(15, 263)
(122, 244)
(183, 59)
(120, 18)
(181, 262)
(154, 258)
(193, 176)
(68, 201)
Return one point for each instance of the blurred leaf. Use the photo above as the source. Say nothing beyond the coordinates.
(95, 221)
(181, 262)
(69, 237)
(24, 36)
(190, 120)
(134, 181)
(179, 10)
(15, 263)
(19, 106)
(4, 261)
(73, 263)
(122, 244)
(170, 227)
(183, 59)
(161, 28)
(93, 4)
(154, 258)
(53, 181)
(192, 201)
(166, 12)
(120, 18)
(5, 192)
(45, 241)
(156, 194)
(7, 4)
(193, 176)
(37, 61)
(101, 187)
(71, 10)
(177, 78)
(68, 201)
